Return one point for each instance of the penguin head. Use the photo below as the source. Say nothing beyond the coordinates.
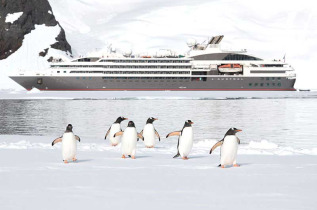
(120, 119)
(151, 120)
(69, 128)
(131, 124)
(188, 123)
(233, 131)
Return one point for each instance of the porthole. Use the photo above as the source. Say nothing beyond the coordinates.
(250, 84)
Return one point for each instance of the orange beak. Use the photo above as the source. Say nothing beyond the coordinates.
(125, 118)
(155, 118)
(239, 130)
(192, 123)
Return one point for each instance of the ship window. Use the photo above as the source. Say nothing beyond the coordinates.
(64, 71)
(39, 81)
(267, 84)
(77, 77)
(250, 84)
(261, 84)
(58, 71)
(262, 78)
(84, 77)
(256, 84)
(279, 78)
(279, 84)
(240, 57)
(267, 78)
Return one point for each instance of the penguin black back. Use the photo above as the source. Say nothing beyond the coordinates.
(131, 124)
(120, 119)
(150, 120)
(188, 123)
(232, 131)
(69, 128)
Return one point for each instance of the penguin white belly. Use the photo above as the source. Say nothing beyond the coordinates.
(116, 127)
(186, 142)
(69, 146)
(129, 141)
(229, 150)
(149, 135)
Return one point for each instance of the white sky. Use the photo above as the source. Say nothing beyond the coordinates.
(268, 29)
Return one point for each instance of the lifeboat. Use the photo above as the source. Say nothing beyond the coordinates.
(228, 68)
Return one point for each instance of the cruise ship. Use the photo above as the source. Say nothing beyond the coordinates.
(206, 67)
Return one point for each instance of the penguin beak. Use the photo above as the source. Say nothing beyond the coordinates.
(239, 130)
(191, 123)
(125, 118)
(155, 118)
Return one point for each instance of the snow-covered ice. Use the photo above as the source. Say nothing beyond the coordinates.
(13, 17)
(33, 176)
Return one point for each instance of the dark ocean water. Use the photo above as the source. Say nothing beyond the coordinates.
(289, 122)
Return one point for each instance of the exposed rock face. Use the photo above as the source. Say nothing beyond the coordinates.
(35, 12)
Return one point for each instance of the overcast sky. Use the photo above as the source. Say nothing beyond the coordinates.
(267, 29)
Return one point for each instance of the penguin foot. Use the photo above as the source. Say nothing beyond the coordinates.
(133, 157)
(236, 165)
(185, 158)
(65, 161)
(74, 159)
(222, 166)
(123, 156)
(114, 145)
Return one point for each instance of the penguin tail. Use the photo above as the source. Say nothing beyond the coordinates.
(177, 155)
(219, 165)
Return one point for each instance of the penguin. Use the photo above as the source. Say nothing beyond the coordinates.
(69, 144)
(114, 128)
(149, 133)
(185, 140)
(229, 148)
(129, 140)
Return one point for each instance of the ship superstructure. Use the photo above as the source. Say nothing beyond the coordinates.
(206, 68)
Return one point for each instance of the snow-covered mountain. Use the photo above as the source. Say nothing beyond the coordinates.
(268, 29)
(29, 37)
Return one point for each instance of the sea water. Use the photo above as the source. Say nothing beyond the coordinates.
(281, 125)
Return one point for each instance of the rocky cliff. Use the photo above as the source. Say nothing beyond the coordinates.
(34, 12)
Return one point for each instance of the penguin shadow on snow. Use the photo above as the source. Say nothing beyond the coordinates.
(83, 161)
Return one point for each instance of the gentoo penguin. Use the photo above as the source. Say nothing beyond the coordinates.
(114, 128)
(149, 133)
(69, 144)
(229, 148)
(129, 140)
(185, 140)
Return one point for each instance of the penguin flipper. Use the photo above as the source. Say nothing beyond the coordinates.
(57, 140)
(177, 155)
(157, 134)
(238, 140)
(118, 134)
(140, 136)
(77, 138)
(175, 133)
(108, 132)
(219, 143)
